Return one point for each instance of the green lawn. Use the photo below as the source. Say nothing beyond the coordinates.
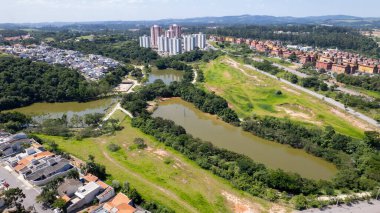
(159, 173)
(249, 95)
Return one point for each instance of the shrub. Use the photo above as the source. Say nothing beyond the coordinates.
(113, 147)
(140, 143)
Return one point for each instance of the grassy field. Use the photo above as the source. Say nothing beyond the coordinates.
(162, 174)
(257, 94)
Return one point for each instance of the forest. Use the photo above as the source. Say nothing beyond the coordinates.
(23, 82)
(317, 36)
(116, 47)
(365, 82)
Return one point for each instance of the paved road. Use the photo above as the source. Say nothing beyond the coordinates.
(31, 192)
(303, 75)
(326, 99)
(361, 207)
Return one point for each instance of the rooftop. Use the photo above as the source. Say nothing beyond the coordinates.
(83, 191)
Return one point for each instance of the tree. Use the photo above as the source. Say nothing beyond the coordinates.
(76, 121)
(59, 203)
(300, 202)
(323, 87)
(93, 119)
(113, 147)
(293, 57)
(14, 197)
(140, 143)
(372, 138)
(73, 174)
(95, 168)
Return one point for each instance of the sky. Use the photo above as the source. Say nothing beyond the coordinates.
(28, 11)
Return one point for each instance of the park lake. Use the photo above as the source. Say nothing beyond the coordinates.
(41, 111)
(167, 75)
(206, 127)
(223, 135)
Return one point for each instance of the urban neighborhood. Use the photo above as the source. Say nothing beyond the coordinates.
(25, 159)
(324, 59)
(91, 66)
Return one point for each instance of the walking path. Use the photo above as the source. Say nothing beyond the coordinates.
(317, 95)
(117, 107)
(195, 76)
(135, 84)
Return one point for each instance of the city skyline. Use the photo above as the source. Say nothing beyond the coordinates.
(23, 11)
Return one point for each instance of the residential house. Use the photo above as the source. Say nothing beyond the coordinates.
(84, 195)
(368, 68)
(323, 65)
(12, 144)
(88, 188)
(341, 68)
(27, 160)
(42, 171)
(119, 204)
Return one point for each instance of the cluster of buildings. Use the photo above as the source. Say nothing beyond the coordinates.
(34, 163)
(15, 38)
(328, 59)
(91, 66)
(172, 41)
(39, 167)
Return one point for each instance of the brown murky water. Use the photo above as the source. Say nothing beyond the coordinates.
(223, 135)
(40, 111)
(167, 76)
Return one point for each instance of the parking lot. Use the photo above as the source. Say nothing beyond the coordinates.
(31, 192)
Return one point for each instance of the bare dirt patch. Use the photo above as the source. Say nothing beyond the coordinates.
(217, 90)
(161, 153)
(277, 209)
(152, 105)
(235, 65)
(242, 205)
(290, 90)
(227, 75)
(298, 111)
(356, 122)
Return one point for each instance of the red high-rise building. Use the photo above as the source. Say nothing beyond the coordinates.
(155, 32)
(177, 30)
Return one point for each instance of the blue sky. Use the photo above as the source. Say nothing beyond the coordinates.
(16, 11)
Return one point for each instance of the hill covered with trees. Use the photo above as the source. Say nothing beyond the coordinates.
(318, 36)
(23, 82)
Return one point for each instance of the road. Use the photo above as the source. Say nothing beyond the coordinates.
(326, 99)
(30, 191)
(303, 75)
(361, 207)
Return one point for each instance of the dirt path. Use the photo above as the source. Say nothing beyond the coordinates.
(117, 107)
(163, 190)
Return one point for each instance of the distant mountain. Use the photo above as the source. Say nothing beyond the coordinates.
(339, 20)
(334, 20)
